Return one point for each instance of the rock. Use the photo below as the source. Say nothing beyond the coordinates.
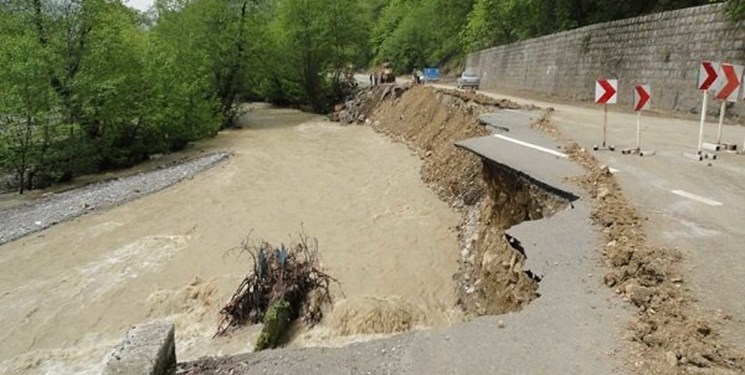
(500, 324)
(638, 294)
(605, 171)
(671, 359)
(698, 360)
(489, 260)
(146, 349)
(603, 192)
(472, 197)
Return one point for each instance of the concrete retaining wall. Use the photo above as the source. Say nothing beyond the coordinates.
(663, 50)
(148, 349)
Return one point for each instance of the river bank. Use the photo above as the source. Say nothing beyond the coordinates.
(72, 291)
(50, 209)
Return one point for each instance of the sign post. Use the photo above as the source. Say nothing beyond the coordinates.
(727, 91)
(707, 74)
(606, 91)
(642, 101)
(742, 150)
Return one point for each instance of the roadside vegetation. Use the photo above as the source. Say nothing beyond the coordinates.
(93, 85)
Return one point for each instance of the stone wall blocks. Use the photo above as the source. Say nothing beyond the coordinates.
(663, 48)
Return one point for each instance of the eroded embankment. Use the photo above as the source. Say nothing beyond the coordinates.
(70, 293)
(492, 197)
(669, 335)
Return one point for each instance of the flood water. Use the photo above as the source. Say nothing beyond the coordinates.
(69, 293)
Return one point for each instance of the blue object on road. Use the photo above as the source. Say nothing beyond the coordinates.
(431, 74)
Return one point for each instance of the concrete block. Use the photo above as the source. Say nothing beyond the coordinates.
(691, 156)
(148, 349)
(710, 146)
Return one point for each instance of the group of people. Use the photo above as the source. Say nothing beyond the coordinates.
(417, 76)
(376, 78)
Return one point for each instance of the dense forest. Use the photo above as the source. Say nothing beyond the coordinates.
(90, 85)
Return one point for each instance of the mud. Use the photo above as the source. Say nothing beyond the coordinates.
(69, 293)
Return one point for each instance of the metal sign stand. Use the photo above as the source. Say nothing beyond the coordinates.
(703, 120)
(605, 132)
(700, 154)
(721, 121)
(720, 145)
(638, 150)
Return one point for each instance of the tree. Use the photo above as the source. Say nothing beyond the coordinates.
(736, 9)
(26, 104)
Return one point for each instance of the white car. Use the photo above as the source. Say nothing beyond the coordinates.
(469, 79)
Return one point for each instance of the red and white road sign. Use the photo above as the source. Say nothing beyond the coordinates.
(707, 75)
(727, 86)
(642, 97)
(606, 91)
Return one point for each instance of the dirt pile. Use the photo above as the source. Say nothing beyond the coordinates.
(669, 335)
(492, 278)
(357, 109)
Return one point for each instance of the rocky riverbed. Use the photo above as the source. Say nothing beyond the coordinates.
(51, 209)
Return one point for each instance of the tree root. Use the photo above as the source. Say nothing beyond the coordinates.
(285, 284)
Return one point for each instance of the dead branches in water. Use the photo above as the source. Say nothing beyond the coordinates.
(285, 283)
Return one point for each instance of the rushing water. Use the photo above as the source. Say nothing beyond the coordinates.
(69, 293)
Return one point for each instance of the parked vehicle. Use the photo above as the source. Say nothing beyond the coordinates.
(386, 73)
(469, 79)
(431, 75)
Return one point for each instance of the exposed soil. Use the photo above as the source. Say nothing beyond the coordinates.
(669, 335)
(492, 198)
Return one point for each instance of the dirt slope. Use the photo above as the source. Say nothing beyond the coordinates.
(668, 337)
(492, 278)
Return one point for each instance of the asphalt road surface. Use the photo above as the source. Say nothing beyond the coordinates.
(696, 206)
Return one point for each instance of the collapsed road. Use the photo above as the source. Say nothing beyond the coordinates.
(572, 315)
(530, 277)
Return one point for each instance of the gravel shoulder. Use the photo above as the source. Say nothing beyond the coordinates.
(27, 218)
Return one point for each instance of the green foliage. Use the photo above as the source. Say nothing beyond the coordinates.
(417, 33)
(414, 33)
(736, 10)
(319, 39)
(276, 323)
(92, 84)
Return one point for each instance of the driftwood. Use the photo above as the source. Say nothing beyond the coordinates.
(284, 285)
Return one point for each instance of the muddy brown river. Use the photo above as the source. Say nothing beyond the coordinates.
(69, 293)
